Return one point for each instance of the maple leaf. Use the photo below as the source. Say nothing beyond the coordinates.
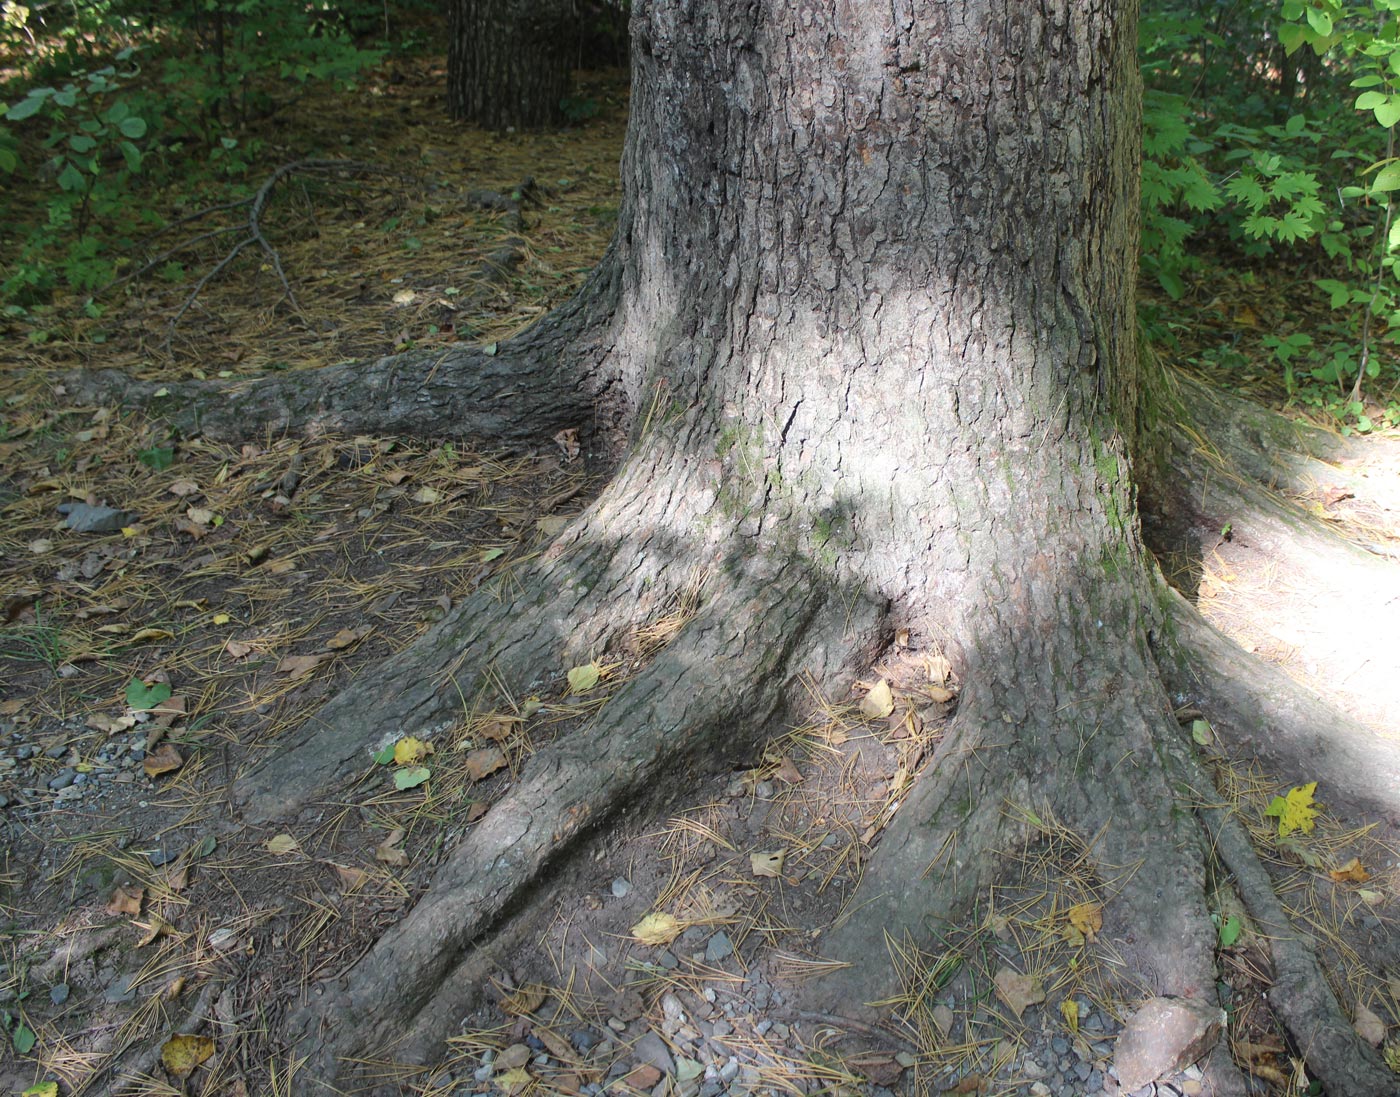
(1296, 811)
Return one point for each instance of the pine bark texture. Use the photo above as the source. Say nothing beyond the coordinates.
(508, 61)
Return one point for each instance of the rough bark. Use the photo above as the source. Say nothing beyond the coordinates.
(872, 288)
(508, 61)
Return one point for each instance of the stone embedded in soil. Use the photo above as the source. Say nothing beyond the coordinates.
(1164, 1035)
(642, 1077)
(651, 1050)
(719, 947)
(620, 888)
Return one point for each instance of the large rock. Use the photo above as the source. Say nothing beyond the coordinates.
(1164, 1035)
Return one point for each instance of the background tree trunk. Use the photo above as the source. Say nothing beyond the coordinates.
(508, 61)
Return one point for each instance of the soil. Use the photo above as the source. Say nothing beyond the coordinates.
(145, 664)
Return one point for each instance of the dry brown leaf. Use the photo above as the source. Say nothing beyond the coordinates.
(165, 759)
(154, 928)
(191, 528)
(1018, 991)
(939, 694)
(477, 809)
(282, 844)
(523, 1000)
(500, 729)
(1353, 872)
(878, 702)
(351, 878)
(183, 488)
(177, 879)
(174, 988)
(237, 649)
(484, 762)
(1369, 1027)
(299, 665)
(126, 899)
(787, 772)
(938, 669)
(348, 637)
(387, 852)
(768, 863)
(901, 637)
(152, 634)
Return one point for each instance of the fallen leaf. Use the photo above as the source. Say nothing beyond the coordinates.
(657, 928)
(404, 297)
(553, 525)
(143, 695)
(200, 516)
(523, 1000)
(126, 899)
(427, 495)
(500, 729)
(484, 762)
(1296, 811)
(282, 844)
(40, 545)
(768, 864)
(155, 927)
(517, 1080)
(1353, 872)
(1018, 991)
(901, 637)
(348, 637)
(938, 694)
(938, 669)
(943, 1019)
(787, 772)
(1369, 1027)
(878, 702)
(174, 988)
(41, 1089)
(476, 810)
(299, 665)
(584, 678)
(237, 649)
(181, 1054)
(221, 618)
(183, 488)
(165, 759)
(1202, 733)
(1087, 918)
(411, 777)
(387, 852)
(409, 750)
(351, 878)
(1069, 1010)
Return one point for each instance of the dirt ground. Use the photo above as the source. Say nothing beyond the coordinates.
(172, 605)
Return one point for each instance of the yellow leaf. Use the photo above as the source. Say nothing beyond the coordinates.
(1069, 1009)
(768, 864)
(584, 678)
(282, 843)
(657, 929)
(348, 637)
(1087, 918)
(1296, 811)
(164, 760)
(152, 634)
(156, 927)
(221, 618)
(408, 751)
(181, 1054)
(43, 1089)
(513, 1081)
(879, 702)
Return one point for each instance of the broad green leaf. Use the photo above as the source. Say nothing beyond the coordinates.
(1387, 179)
(1201, 733)
(1230, 930)
(70, 178)
(488, 555)
(1320, 21)
(133, 127)
(81, 142)
(1388, 113)
(385, 756)
(29, 106)
(411, 777)
(584, 678)
(131, 154)
(142, 697)
(23, 1038)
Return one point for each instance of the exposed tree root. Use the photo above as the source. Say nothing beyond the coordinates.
(552, 378)
(1301, 998)
(700, 703)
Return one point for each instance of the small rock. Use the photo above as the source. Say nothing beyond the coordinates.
(85, 518)
(483, 1073)
(723, 1027)
(1040, 1089)
(620, 888)
(1060, 1045)
(57, 750)
(671, 1008)
(719, 947)
(58, 993)
(651, 1050)
(763, 790)
(617, 1025)
(1164, 1035)
(159, 857)
(4, 801)
(121, 990)
(1082, 1070)
(584, 1039)
(62, 779)
(72, 792)
(642, 1076)
(763, 1026)
(729, 1071)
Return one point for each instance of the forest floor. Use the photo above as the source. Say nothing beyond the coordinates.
(172, 605)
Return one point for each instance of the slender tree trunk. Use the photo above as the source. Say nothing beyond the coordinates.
(508, 61)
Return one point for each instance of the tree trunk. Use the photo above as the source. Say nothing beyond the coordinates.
(508, 61)
(869, 330)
